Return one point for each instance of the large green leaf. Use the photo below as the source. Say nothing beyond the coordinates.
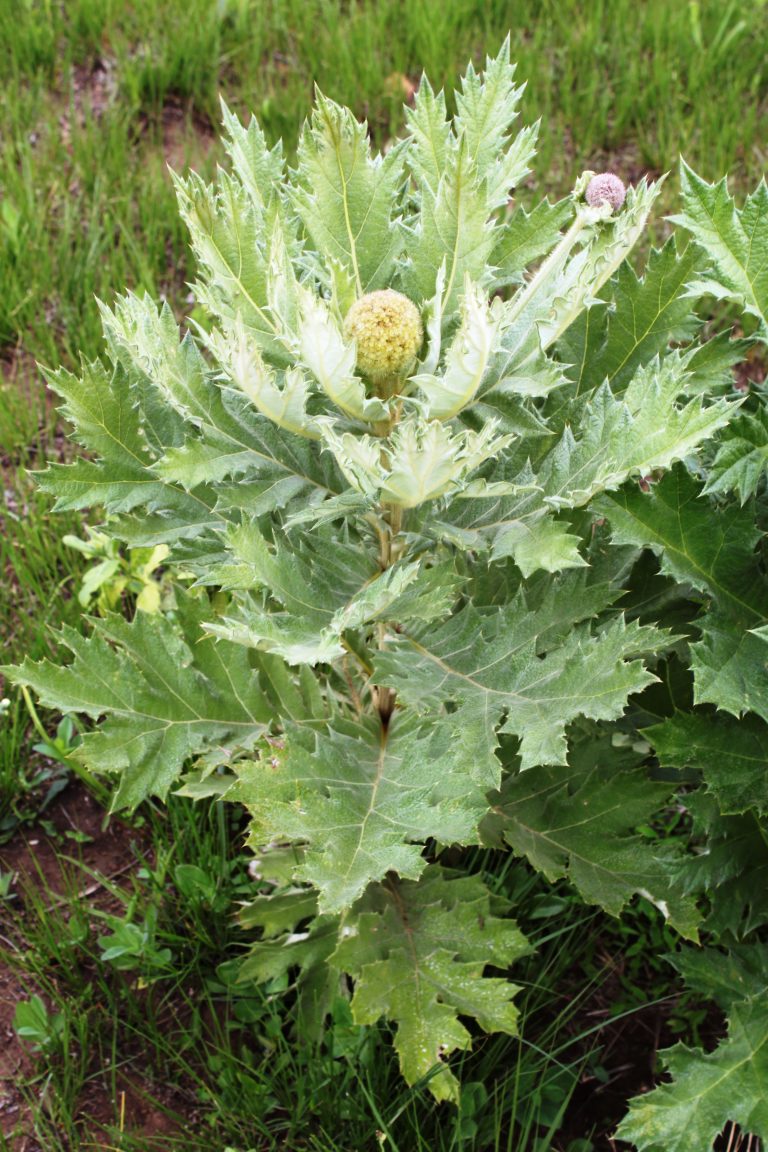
(741, 463)
(608, 440)
(363, 799)
(708, 1090)
(728, 869)
(487, 672)
(731, 754)
(418, 952)
(612, 343)
(167, 692)
(713, 550)
(735, 241)
(581, 821)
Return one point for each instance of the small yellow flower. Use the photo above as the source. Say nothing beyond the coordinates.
(386, 327)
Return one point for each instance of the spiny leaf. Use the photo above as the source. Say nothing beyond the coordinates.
(708, 1090)
(453, 230)
(228, 237)
(486, 109)
(526, 237)
(418, 952)
(612, 343)
(580, 821)
(360, 797)
(731, 754)
(731, 875)
(714, 551)
(346, 199)
(258, 168)
(609, 440)
(735, 241)
(488, 668)
(167, 693)
(432, 139)
(742, 457)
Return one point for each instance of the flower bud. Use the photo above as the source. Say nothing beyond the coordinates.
(605, 187)
(386, 327)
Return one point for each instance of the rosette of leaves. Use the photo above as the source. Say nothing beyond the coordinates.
(406, 629)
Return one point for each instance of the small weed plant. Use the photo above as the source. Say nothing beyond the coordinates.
(465, 521)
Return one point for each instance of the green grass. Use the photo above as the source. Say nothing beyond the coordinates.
(87, 206)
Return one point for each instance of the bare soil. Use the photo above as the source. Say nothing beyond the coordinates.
(56, 867)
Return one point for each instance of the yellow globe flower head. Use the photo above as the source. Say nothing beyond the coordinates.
(387, 330)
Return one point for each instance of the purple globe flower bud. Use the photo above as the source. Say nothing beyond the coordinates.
(605, 187)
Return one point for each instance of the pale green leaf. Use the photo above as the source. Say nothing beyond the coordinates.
(735, 241)
(482, 672)
(486, 107)
(346, 198)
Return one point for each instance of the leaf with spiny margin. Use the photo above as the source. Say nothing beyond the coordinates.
(486, 107)
(363, 800)
(571, 279)
(168, 693)
(233, 439)
(258, 168)
(645, 313)
(708, 1090)
(729, 870)
(346, 198)
(487, 668)
(619, 437)
(107, 422)
(296, 944)
(526, 237)
(731, 754)
(418, 952)
(711, 364)
(610, 439)
(741, 973)
(324, 588)
(538, 543)
(567, 283)
(735, 241)
(429, 131)
(579, 821)
(712, 549)
(454, 231)
(741, 463)
(228, 231)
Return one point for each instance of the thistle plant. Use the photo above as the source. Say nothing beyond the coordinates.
(408, 474)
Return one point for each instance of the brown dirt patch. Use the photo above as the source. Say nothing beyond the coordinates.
(187, 137)
(59, 869)
(93, 88)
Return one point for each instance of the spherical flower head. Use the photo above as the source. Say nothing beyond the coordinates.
(386, 327)
(605, 188)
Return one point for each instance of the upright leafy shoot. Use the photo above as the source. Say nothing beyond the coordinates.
(400, 478)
